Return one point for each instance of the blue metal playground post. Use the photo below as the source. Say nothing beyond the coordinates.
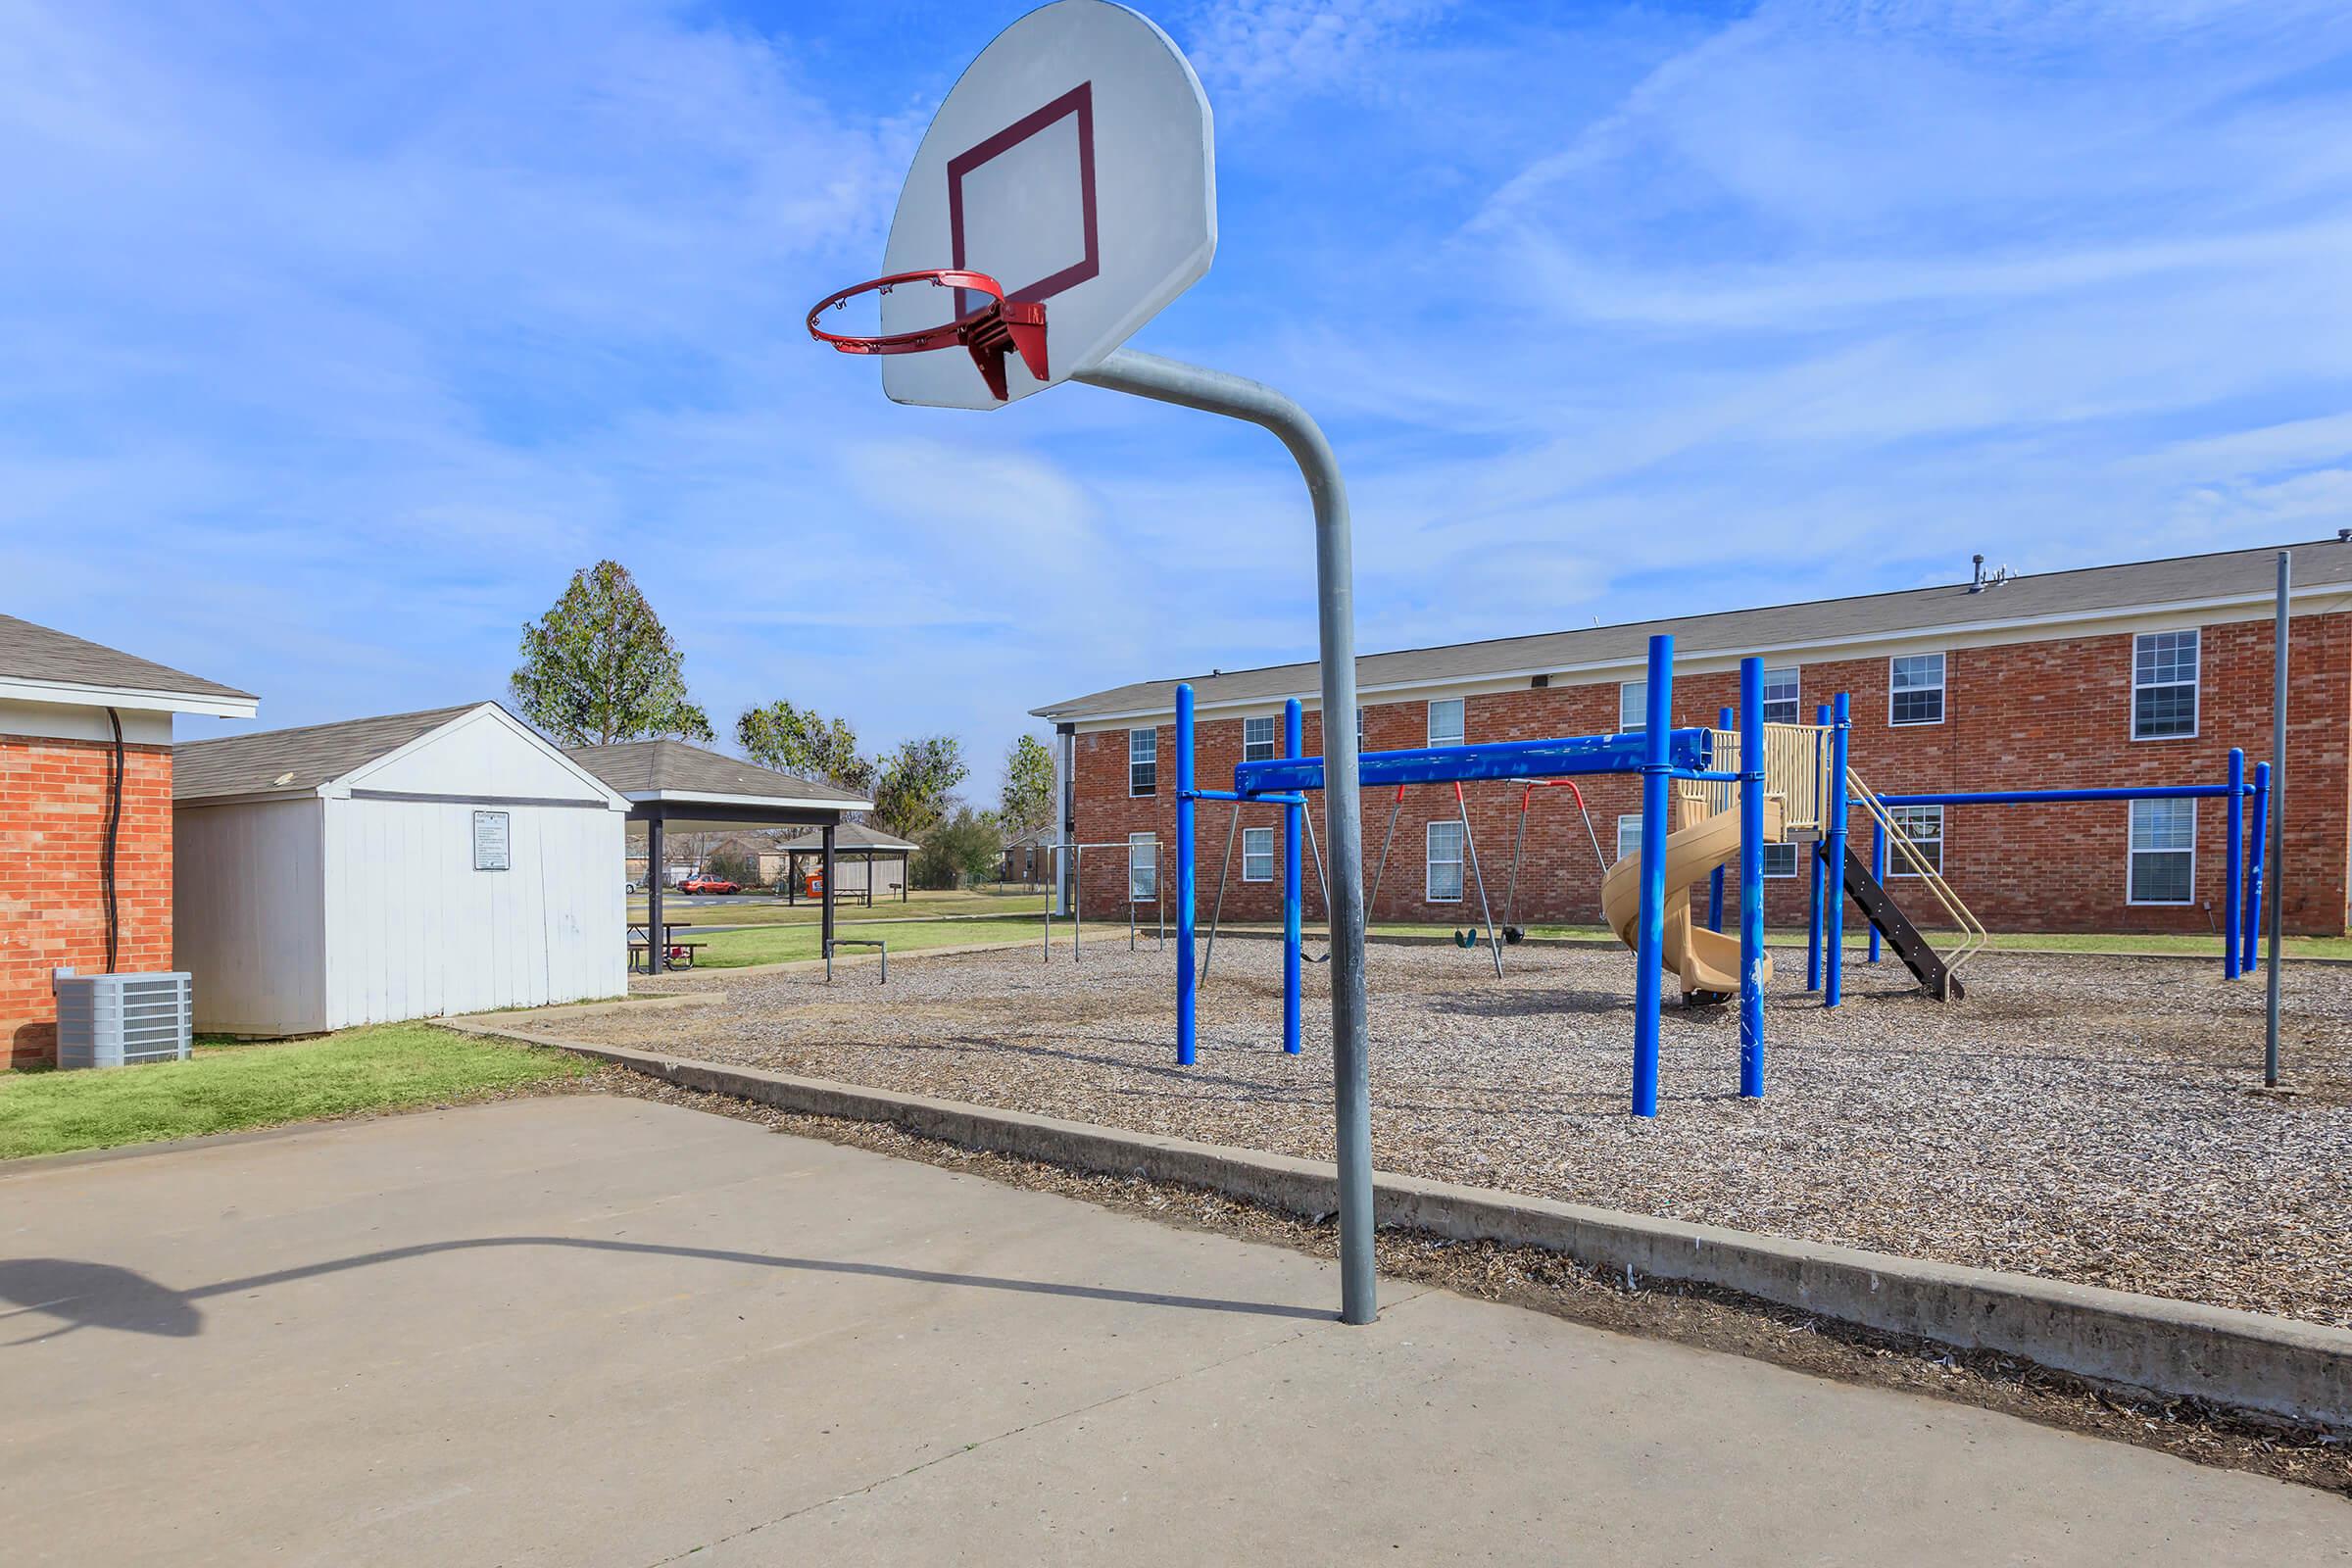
(1832, 877)
(2248, 955)
(1648, 952)
(1877, 873)
(2233, 909)
(1292, 820)
(1752, 879)
(1724, 721)
(1185, 997)
(1813, 860)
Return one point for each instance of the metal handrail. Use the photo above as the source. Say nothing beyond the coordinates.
(1973, 935)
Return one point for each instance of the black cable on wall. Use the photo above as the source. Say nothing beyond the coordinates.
(114, 833)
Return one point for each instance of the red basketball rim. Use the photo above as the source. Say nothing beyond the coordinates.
(923, 339)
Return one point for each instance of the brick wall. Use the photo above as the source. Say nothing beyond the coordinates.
(2025, 716)
(52, 901)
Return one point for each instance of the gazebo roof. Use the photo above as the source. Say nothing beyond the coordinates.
(853, 836)
(677, 781)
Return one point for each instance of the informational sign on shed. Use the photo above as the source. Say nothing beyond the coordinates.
(490, 840)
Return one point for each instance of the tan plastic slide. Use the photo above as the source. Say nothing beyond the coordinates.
(1705, 960)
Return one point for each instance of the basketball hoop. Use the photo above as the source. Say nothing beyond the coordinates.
(987, 332)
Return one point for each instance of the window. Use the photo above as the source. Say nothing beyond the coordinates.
(1257, 855)
(1629, 834)
(1359, 732)
(1143, 868)
(1143, 762)
(1782, 702)
(2163, 685)
(1444, 862)
(1780, 860)
(1915, 688)
(1257, 739)
(1446, 723)
(1633, 705)
(2164, 851)
(1923, 825)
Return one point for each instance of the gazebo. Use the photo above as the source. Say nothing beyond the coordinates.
(674, 781)
(852, 841)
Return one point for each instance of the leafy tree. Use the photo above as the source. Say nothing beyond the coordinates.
(1028, 800)
(960, 849)
(599, 666)
(918, 785)
(803, 742)
(733, 863)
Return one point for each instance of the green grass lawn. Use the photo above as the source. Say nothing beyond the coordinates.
(919, 906)
(226, 1087)
(777, 944)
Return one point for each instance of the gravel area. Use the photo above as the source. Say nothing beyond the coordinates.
(2082, 1119)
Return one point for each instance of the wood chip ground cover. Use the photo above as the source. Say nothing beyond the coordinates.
(2078, 1118)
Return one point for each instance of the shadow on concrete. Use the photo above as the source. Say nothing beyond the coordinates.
(84, 1295)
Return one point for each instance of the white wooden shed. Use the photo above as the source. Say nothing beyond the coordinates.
(407, 867)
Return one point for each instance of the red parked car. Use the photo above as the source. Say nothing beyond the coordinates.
(709, 884)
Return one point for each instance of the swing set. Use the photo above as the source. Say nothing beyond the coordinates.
(1510, 933)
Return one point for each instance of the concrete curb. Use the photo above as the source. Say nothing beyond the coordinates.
(2246, 1361)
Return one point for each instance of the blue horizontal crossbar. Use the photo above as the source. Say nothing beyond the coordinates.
(1259, 800)
(1687, 750)
(2147, 792)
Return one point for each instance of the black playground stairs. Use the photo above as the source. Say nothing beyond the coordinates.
(1878, 906)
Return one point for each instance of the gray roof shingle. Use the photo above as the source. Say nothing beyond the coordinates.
(2182, 579)
(302, 758)
(644, 768)
(29, 652)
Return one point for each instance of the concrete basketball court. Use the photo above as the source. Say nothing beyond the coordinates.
(589, 1330)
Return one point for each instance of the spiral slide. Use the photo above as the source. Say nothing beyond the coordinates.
(1707, 963)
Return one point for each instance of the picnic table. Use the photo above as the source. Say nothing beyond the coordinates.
(681, 953)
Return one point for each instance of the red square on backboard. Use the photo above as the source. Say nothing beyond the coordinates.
(1078, 103)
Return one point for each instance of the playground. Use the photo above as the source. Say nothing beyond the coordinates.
(2093, 1119)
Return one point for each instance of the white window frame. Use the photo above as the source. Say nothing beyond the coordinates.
(1897, 863)
(1795, 699)
(1625, 820)
(1627, 690)
(1264, 835)
(2195, 684)
(1146, 890)
(1796, 861)
(1430, 861)
(1461, 730)
(1942, 689)
(1272, 742)
(1134, 762)
(2133, 852)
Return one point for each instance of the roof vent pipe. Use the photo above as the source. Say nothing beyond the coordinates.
(1976, 584)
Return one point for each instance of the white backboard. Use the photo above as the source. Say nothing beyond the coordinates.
(1073, 162)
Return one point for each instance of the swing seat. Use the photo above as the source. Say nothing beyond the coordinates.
(1513, 935)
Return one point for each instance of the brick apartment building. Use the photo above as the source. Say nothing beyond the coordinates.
(61, 755)
(2147, 672)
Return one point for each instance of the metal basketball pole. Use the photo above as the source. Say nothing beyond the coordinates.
(1149, 375)
(2280, 649)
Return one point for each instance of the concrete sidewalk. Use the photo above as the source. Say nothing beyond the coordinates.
(602, 1331)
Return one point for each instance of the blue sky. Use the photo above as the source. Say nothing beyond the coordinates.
(336, 337)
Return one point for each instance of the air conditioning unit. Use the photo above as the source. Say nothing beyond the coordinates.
(119, 1020)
